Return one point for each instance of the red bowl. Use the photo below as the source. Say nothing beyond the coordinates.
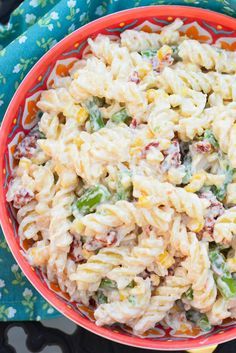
(21, 116)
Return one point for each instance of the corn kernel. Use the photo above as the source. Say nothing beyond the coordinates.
(144, 202)
(196, 182)
(136, 146)
(78, 141)
(137, 142)
(82, 115)
(144, 70)
(195, 226)
(150, 134)
(231, 262)
(77, 226)
(151, 95)
(163, 51)
(165, 259)
(122, 296)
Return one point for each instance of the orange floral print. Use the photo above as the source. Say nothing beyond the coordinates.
(88, 311)
(146, 28)
(228, 46)
(187, 330)
(63, 70)
(193, 33)
(32, 111)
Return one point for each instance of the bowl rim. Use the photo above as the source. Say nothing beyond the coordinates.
(94, 26)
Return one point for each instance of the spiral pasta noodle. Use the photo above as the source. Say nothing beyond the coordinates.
(219, 311)
(163, 300)
(225, 227)
(203, 285)
(174, 81)
(88, 276)
(207, 56)
(141, 257)
(167, 194)
(99, 149)
(127, 310)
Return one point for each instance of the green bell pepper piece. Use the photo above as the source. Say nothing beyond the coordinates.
(95, 116)
(120, 116)
(91, 198)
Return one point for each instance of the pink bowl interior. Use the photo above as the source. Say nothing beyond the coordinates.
(21, 116)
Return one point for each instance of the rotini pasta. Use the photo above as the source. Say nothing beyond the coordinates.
(203, 285)
(207, 56)
(175, 81)
(162, 301)
(166, 194)
(88, 276)
(219, 311)
(225, 227)
(141, 257)
(127, 310)
(125, 190)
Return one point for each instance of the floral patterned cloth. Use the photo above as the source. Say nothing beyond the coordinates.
(38, 25)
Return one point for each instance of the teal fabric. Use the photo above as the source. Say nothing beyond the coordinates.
(34, 27)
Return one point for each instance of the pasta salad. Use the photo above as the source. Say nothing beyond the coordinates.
(125, 190)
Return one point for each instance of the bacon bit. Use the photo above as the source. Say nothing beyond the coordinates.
(134, 77)
(98, 243)
(171, 271)
(168, 60)
(207, 230)
(159, 65)
(216, 207)
(147, 148)
(75, 252)
(203, 146)
(152, 144)
(148, 229)
(172, 157)
(145, 274)
(178, 260)
(134, 123)
(22, 197)
(26, 147)
(215, 210)
(93, 245)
